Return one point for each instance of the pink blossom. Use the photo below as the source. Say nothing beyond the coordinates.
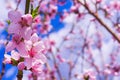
(21, 32)
(2, 24)
(14, 28)
(62, 2)
(26, 20)
(18, 44)
(35, 48)
(18, 22)
(34, 57)
(115, 5)
(52, 10)
(45, 28)
(37, 19)
(43, 6)
(26, 33)
(99, 1)
(60, 58)
(90, 75)
(37, 68)
(113, 69)
(14, 16)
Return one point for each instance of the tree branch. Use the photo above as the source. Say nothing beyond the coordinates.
(3, 71)
(27, 4)
(95, 15)
(19, 75)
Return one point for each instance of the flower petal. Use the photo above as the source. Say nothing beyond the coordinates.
(10, 46)
(15, 55)
(14, 16)
(34, 38)
(28, 44)
(14, 28)
(28, 63)
(41, 58)
(27, 33)
(7, 59)
(22, 50)
(38, 46)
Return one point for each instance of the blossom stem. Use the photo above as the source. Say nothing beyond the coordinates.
(27, 6)
(19, 75)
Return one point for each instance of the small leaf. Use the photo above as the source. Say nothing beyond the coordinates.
(35, 12)
(8, 21)
(14, 62)
(21, 59)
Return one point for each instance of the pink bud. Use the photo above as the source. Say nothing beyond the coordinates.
(60, 58)
(37, 19)
(21, 66)
(1, 24)
(27, 19)
(99, 1)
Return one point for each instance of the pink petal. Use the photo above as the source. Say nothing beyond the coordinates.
(28, 44)
(28, 33)
(37, 68)
(10, 46)
(14, 28)
(37, 19)
(38, 46)
(15, 55)
(14, 16)
(22, 50)
(7, 59)
(34, 38)
(22, 31)
(40, 58)
(28, 63)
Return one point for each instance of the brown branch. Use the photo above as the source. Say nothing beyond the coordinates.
(19, 75)
(3, 71)
(95, 15)
(34, 76)
(56, 66)
(27, 4)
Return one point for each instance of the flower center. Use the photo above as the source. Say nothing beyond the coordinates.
(31, 53)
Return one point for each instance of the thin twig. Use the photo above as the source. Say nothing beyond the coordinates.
(95, 15)
(3, 71)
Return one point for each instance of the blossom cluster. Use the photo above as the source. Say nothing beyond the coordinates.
(47, 10)
(27, 50)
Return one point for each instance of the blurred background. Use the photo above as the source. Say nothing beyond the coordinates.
(77, 41)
